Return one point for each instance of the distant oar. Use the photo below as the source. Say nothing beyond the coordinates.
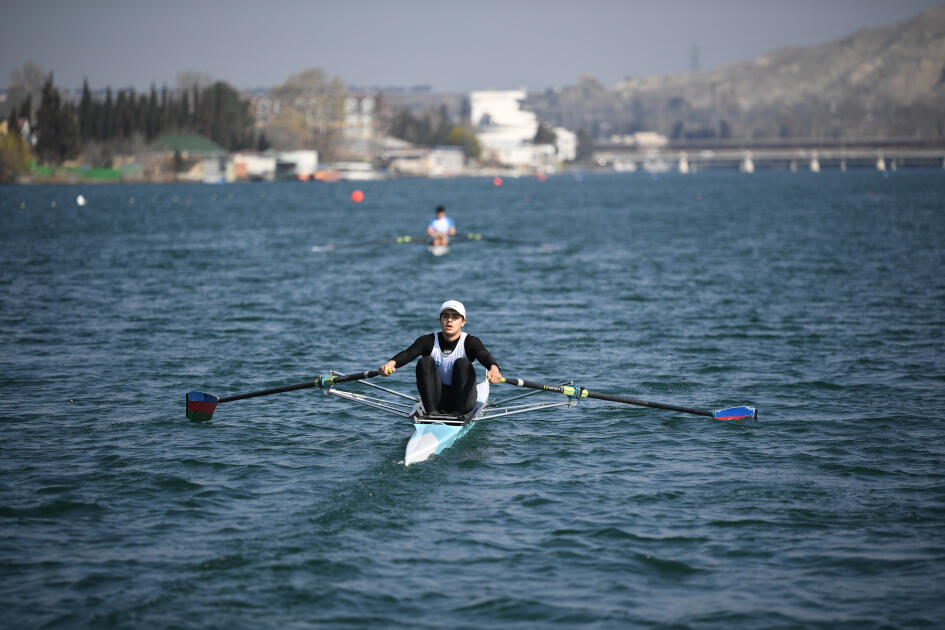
(200, 406)
(383, 241)
(732, 413)
(471, 236)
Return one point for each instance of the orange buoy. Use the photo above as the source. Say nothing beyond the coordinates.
(357, 196)
(497, 181)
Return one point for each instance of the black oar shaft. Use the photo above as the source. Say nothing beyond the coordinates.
(320, 381)
(580, 392)
(273, 390)
(647, 403)
(381, 241)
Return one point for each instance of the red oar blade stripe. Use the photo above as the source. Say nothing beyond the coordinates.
(200, 406)
(736, 413)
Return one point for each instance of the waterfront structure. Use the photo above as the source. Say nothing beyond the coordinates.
(190, 158)
(566, 144)
(506, 132)
(254, 166)
(300, 165)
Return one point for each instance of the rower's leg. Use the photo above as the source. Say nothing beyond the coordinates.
(429, 384)
(464, 385)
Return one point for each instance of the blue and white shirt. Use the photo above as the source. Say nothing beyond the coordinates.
(442, 226)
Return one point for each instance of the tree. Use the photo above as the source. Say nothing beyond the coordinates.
(585, 145)
(26, 109)
(24, 87)
(545, 135)
(262, 142)
(462, 137)
(108, 117)
(56, 126)
(14, 156)
(224, 117)
(311, 112)
(85, 113)
(152, 125)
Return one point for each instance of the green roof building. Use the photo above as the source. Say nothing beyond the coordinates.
(187, 145)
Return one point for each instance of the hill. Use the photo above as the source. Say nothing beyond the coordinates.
(877, 83)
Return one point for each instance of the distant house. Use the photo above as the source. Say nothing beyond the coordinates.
(187, 145)
(300, 165)
(254, 166)
(23, 125)
(196, 158)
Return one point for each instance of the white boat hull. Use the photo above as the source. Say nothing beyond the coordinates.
(431, 439)
(439, 250)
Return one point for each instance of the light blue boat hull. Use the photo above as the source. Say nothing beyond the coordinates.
(431, 439)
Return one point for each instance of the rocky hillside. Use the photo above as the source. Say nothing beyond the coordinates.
(878, 83)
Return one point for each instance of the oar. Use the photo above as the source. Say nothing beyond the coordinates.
(732, 413)
(472, 236)
(383, 241)
(200, 406)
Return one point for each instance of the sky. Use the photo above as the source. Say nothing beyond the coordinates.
(448, 45)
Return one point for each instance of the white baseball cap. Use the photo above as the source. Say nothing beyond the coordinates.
(454, 305)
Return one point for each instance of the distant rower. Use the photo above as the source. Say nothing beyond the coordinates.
(441, 228)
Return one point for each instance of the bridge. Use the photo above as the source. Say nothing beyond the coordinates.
(747, 156)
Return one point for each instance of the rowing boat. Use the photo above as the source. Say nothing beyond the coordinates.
(439, 250)
(434, 433)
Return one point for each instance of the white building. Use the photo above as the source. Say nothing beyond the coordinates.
(446, 161)
(566, 143)
(296, 164)
(254, 166)
(506, 132)
(360, 117)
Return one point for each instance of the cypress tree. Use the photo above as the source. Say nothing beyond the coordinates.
(46, 123)
(56, 126)
(26, 109)
(121, 116)
(108, 117)
(153, 125)
(85, 113)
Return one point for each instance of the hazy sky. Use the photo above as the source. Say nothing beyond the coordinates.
(451, 46)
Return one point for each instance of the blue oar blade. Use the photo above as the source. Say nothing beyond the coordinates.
(736, 413)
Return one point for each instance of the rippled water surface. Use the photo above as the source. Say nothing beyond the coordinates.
(818, 298)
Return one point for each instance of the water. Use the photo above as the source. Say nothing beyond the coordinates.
(819, 299)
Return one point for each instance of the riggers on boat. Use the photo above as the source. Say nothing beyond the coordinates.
(434, 433)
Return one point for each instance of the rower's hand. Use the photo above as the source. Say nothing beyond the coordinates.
(388, 368)
(494, 375)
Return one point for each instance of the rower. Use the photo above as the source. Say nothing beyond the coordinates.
(441, 228)
(446, 378)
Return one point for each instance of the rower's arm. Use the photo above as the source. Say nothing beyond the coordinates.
(475, 349)
(421, 345)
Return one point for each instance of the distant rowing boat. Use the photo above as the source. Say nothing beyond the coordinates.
(423, 238)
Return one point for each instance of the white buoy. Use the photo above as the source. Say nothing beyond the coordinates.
(80, 200)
